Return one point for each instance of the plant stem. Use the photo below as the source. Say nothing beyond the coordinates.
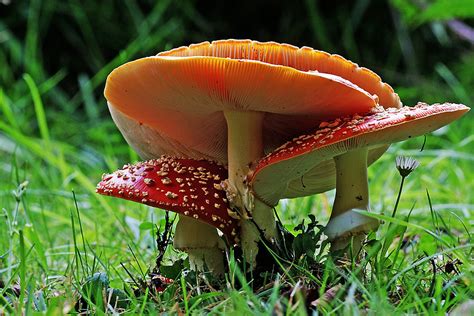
(398, 197)
(390, 230)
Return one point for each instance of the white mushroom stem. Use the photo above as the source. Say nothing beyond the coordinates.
(352, 193)
(202, 244)
(245, 145)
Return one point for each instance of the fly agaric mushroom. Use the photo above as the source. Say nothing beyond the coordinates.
(346, 141)
(186, 186)
(234, 101)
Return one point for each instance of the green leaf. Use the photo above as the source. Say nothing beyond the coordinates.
(407, 9)
(304, 243)
(146, 226)
(94, 289)
(448, 9)
(172, 271)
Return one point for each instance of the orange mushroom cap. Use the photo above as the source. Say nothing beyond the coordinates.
(304, 59)
(186, 186)
(314, 152)
(173, 103)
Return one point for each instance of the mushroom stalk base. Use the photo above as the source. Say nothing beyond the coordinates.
(350, 225)
(352, 193)
(202, 244)
(250, 234)
(245, 145)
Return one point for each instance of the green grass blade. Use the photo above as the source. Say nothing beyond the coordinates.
(39, 108)
(7, 111)
(453, 82)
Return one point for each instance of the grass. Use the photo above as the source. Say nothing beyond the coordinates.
(60, 243)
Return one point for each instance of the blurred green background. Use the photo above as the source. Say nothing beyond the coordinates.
(56, 134)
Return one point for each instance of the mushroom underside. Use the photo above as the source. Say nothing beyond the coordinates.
(347, 143)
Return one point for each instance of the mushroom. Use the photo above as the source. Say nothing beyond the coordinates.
(186, 186)
(346, 142)
(234, 101)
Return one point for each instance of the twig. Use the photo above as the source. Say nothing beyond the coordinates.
(162, 241)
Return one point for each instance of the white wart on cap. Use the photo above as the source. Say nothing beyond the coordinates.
(294, 159)
(185, 186)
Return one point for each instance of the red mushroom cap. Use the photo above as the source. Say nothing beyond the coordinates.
(186, 186)
(315, 151)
